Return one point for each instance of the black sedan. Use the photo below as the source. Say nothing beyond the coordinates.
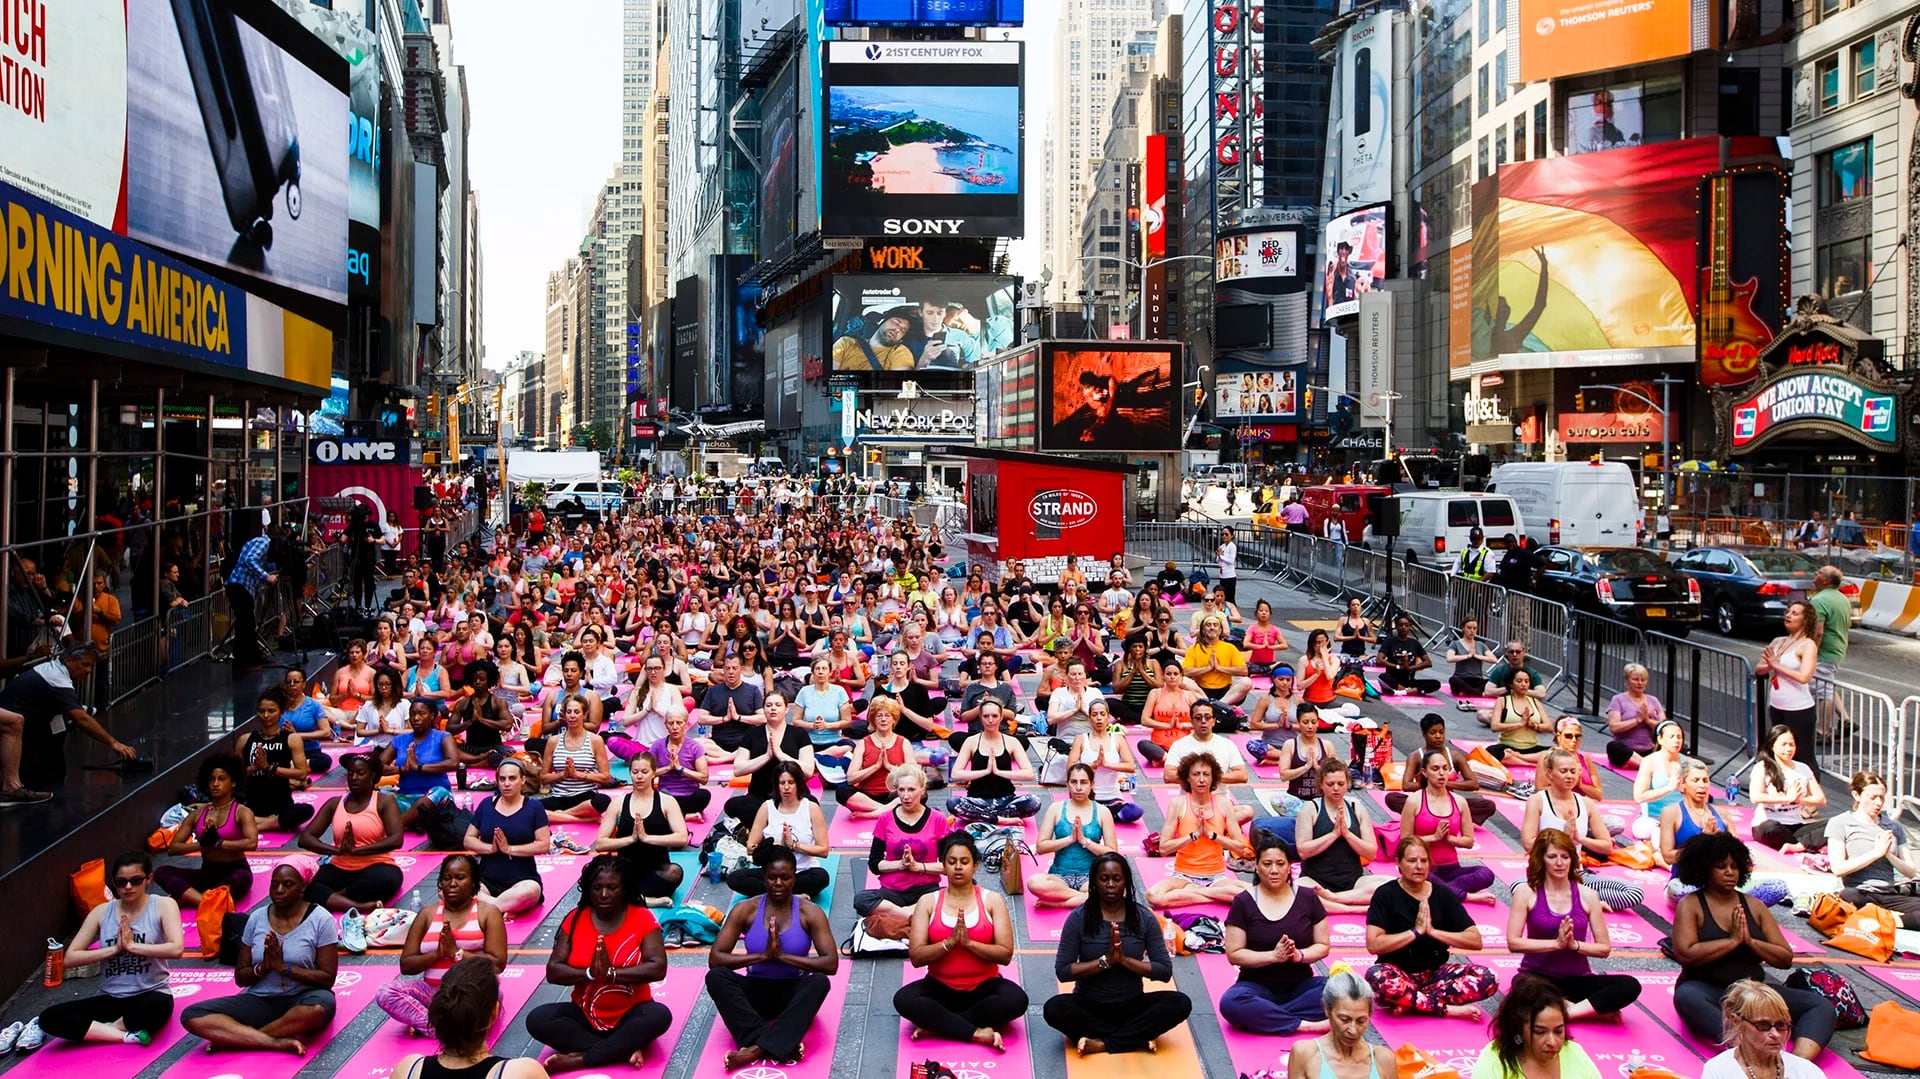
(1627, 583)
(1747, 588)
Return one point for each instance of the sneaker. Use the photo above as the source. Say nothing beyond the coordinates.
(1771, 891)
(31, 1038)
(21, 796)
(353, 932)
(9, 1036)
(138, 1037)
(566, 844)
(483, 786)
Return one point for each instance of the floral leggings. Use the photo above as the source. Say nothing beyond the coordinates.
(1430, 992)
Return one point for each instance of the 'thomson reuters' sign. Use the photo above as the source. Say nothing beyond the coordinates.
(1816, 402)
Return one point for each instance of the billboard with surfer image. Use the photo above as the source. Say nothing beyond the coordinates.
(922, 139)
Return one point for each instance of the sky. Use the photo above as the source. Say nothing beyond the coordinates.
(544, 134)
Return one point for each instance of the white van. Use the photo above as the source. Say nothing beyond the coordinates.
(599, 497)
(1575, 503)
(1434, 525)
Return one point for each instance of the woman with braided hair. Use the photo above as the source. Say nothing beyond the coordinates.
(609, 949)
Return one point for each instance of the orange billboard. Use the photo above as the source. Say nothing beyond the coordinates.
(1571, 37)
(1460, 307)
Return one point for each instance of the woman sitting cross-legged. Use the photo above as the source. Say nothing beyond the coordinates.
(962, 935)
(989, 764)
(643, 828)
(133, 936)
(868, 788)
(1413, 927)
(508, 831)
(1200, 831)
(1439, 816)
(357, 833)
(1110, 946)
(1556, 806)
(769, 994)
(792, 820)
(289, 955)
(1787, 799)
(1530, 1036)
(905, 858)
(1336, 841)
(222, 832)
(1557, 924)
(1275, 934)
(461, 924)
(610, 951)
(1075, 831)
(1105, 750)
(461, 1015)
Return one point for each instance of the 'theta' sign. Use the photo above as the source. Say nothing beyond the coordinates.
(1062, 508)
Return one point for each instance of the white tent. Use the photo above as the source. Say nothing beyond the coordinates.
(538, 466)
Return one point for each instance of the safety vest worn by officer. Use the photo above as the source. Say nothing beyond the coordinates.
(1473, 563)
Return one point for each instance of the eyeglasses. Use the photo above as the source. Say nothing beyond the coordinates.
(1765, 1026)
(1515, 651)
(130, 882)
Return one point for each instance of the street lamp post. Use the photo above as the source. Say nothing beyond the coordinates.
(1665, 382)
(1386, 435)
(1143, 268)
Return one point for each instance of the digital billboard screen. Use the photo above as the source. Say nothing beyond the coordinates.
(236, 148)
(1266, 394)
(925, 12)
(1571, 37)
(1355, 256)
(1605, 119)
(923, 139)
(916, 322)
(1109, 396)
(780, 158)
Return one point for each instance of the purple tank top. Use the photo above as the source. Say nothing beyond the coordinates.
(793, 940)
(1544, 924)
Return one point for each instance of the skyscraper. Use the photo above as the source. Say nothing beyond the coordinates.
(1089, 65)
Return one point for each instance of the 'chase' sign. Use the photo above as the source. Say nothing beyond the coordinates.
(1810, 402)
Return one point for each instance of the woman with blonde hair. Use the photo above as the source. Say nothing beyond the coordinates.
(1758, 1028)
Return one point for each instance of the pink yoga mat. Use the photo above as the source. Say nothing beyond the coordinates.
(1454, 1043)
(353, 991)
(1903, 979)
(558, 872)
(1410, 700)
(965, 1058)
(377, 1055)
(1248, 1053)
(1656, 996)
(819, 1042)
(414, 868)
(848, 832)
(58, 1059)
(1044, 924)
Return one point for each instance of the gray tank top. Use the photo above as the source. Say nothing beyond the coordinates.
(129, 975)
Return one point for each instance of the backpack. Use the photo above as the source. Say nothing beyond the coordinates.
(1837, 991)
(1200, 933)
(992, 841)
(697, 922)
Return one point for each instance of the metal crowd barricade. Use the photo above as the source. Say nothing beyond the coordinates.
(1705, 688)
(1543, 626)
(136, 658)
(1468, 597)
(1329, 565)
(1426, 599)
(1900, 780)
(1861, 730)
(1602, 648)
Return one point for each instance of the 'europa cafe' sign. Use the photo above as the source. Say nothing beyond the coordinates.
(922, 420)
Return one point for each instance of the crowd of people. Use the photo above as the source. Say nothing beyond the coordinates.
(819, 653)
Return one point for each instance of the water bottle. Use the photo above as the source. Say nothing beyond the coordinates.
(56, 964)
(1635, 1061)
(715, 862)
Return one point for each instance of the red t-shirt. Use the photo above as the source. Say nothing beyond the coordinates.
(603, 1002)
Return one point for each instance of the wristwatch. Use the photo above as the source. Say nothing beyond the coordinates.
(1105, 963)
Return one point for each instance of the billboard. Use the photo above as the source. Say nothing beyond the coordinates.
(780, 158)
(922, 139)
(913, 322)
(1355, 256)
(236, 148)
(1259, 255)
(1605, 119)
(1366, 145)
(919, 13)
(1593, 251)
(1006, 400)
(1120, 397)
(64, 122)
(1570, 37)
(1257, 394)
(350, 38)
(1153, 183)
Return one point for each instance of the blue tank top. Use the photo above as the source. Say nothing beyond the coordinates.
(1687, 828)
(1074, 859)
(793, 940)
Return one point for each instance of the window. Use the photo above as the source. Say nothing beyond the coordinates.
(1486, 20)
(1499, 14)
(1500, 146)
(1484, 74)
(1484, 157)
(1520, 137)
(1540, 130)
(1462, 514)
(1845, 174)
(1826, 77)
(1862, 59)
(1829, 8)
(1500, 76)
(1841, 267)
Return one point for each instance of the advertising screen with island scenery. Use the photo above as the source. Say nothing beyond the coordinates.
(922, 139)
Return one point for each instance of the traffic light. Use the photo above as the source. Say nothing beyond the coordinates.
(433, 410)
(1308, 398)
(1579, 400)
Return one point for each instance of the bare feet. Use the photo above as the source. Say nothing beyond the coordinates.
(564, 1062)
(1464, 1011)
(1481, 897)
(290, 1045)
(1315, 1028)
(742, 1057)
(1794, 848)
(990, 1038)
(1089, 1046)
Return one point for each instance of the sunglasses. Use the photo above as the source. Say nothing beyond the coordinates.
(1765, 1026)
(130, 882)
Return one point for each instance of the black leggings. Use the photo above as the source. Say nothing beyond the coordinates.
(70, 1019)
(1907, 906)
(752, 881)
(868, 900)
(1698, 1003)
(954, 1014)
(1123, 1029)
(564, 1027)
(375, 884)
(1608, 993)
(1811, 835)
(695, 802)
(772, 1013)
(1620, 754)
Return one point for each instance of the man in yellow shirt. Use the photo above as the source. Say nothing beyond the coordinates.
(886, 349)
(1216, 666)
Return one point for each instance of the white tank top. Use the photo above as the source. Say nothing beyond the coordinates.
(1549, 819)
(801, 821)
(1786, 694)
(1097, 751)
